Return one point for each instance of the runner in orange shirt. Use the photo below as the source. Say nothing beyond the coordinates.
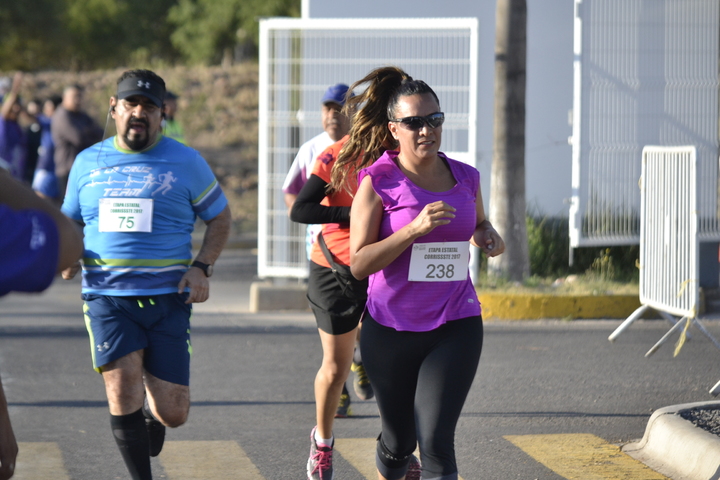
(336, 298)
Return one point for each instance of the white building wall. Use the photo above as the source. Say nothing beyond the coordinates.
(549, 84)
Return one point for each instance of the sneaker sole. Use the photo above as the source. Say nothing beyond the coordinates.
(346, 415)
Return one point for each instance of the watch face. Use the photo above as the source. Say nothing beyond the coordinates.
(209, 270)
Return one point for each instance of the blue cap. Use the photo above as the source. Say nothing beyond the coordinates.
(336, 94)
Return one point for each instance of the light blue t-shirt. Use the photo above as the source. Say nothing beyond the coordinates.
(139, 210)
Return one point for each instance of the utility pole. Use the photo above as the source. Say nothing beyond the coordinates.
(507, 183)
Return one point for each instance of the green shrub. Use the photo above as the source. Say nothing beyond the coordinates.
(549, 247)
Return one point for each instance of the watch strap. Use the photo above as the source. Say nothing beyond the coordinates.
(202, 266)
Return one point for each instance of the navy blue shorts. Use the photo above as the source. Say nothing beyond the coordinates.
(159, 324)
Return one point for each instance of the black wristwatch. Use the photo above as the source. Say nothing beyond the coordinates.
(207, 269)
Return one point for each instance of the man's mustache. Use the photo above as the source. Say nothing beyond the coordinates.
(138, 120)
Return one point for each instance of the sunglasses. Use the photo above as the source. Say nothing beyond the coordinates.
(434, 120)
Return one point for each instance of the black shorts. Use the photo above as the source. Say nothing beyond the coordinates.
(335, 313)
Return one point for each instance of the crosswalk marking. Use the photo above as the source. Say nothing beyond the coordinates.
(360, 453)
(583, 457)
(211, 460)
(572, 456)
(39, 461)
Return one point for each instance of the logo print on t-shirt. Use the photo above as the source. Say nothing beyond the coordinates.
(37, 237)
(166, 179)
(120, 182)
(325, 158)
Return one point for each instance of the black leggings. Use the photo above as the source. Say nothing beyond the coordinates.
(421, 381)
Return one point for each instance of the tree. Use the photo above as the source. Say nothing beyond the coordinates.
(507, 183)
(208, 31)
(30, 35)
(83, 34)
(108, 33)
(95, 31)
(91, 34)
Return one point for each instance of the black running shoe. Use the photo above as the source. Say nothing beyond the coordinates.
(156, 435)
(155, 429)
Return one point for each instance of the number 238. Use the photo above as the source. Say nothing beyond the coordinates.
(440, 271)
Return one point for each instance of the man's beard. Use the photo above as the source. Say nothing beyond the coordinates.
(139, 142)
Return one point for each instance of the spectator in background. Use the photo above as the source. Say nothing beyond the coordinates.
(13, 146)
(5, 83)
(33, 132)
(37, 242)
(72, 131)
(45, 181)
(171, 127)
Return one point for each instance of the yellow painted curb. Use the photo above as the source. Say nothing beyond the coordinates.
(518, 306)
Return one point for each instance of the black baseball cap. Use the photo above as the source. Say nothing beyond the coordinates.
(142, 85)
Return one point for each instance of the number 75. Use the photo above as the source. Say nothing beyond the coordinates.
(127, 222)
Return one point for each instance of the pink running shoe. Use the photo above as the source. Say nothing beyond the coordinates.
(319, 466)
(414, 471)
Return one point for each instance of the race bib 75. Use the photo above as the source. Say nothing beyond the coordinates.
(125, 215)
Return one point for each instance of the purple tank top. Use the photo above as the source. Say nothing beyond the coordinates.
(418, 306)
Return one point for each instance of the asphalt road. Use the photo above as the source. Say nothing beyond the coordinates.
(252, 398)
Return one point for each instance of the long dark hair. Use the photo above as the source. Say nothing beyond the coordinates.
(370, 112)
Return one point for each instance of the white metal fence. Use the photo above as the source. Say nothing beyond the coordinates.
(646, 73)
(669, 259)
(300, 58)
(669, 264)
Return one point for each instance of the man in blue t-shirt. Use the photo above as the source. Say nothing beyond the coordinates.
(138, 195)
(37, 242)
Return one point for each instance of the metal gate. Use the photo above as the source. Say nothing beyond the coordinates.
(300, 58)
(669, 260)
(645, 73)
(669, 266)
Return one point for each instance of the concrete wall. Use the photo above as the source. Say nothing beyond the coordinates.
(549, 83)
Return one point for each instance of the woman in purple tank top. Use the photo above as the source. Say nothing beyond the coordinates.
(414, 216)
